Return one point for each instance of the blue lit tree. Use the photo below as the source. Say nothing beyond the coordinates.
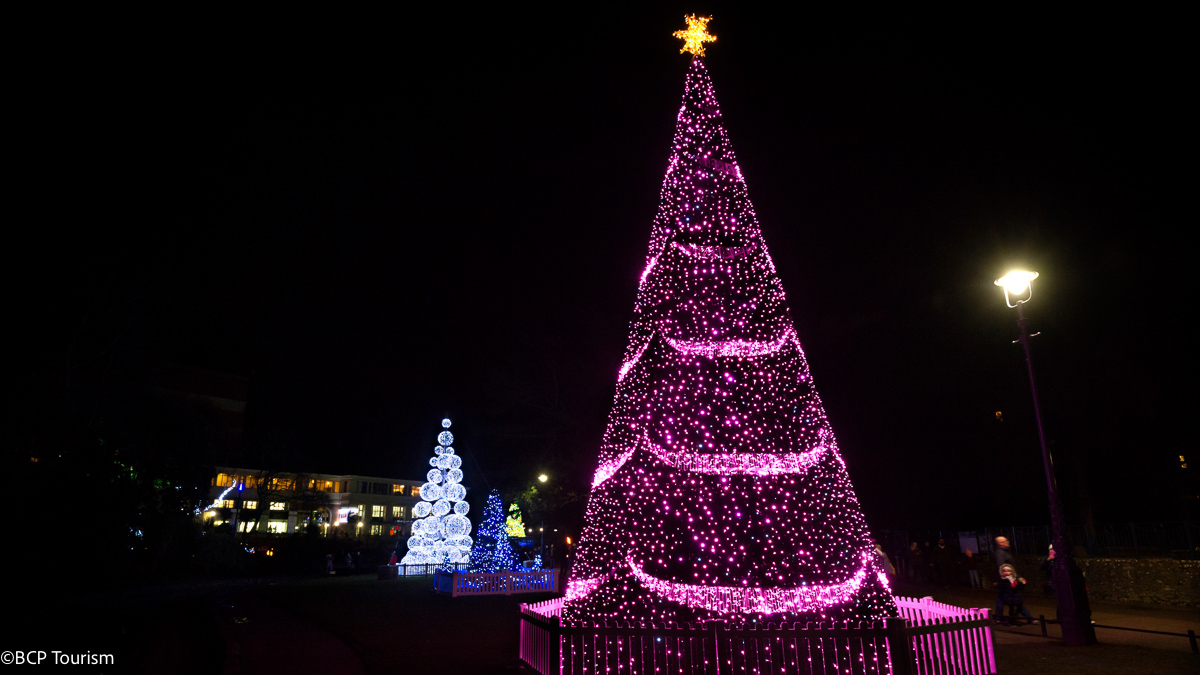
(492, 552)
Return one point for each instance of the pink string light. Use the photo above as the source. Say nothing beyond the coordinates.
(728, 599)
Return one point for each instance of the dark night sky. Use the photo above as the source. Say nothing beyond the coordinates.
(391, 219)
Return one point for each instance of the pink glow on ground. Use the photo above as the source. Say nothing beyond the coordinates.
(728, 599)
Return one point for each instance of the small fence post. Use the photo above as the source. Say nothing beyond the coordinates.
(1192, 639)
(716, 628)
(1042, 621)
(556, 639)
(900, 653)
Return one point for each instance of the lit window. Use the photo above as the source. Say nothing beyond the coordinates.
(226, 504)
(376, 529)
(377, 511)
(397, 511)
(279, 506)
(223, 480)
(250, 504)
(397, 489)
(277, 527)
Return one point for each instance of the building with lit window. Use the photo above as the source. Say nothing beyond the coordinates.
(251, 500)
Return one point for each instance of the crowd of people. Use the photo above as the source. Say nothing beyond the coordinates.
(945, 566)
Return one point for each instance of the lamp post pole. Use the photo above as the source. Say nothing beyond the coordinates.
(1074, 611)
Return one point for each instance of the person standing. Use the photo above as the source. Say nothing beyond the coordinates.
(913, 559)
(944, 562)
(884, 564)
(1010, 594)
(971, 564)
(1002, 557)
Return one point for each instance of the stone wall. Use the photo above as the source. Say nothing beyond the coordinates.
(1149, 582)
(1154, 582)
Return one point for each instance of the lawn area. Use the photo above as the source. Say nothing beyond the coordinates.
(401, 624)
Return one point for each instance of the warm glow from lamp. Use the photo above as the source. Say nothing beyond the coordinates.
(1016, 281)
(543, 478)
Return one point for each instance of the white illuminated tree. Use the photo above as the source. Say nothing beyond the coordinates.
(441, 535)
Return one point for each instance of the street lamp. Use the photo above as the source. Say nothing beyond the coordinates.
(1074, 611)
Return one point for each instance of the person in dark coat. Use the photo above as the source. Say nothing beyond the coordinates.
(913, 560)
(1001, 556)
(1010, 594)
(971, 564)
(945, 562)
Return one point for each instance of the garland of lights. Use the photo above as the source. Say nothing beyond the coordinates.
(719, 492)
(440, 537)
(219, 499)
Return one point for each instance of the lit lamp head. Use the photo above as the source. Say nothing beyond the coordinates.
(1016, 284)
(543, 478)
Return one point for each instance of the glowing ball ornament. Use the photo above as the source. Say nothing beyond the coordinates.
(437, 536)
(719, 492)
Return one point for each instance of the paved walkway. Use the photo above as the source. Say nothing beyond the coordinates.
(1103, 613)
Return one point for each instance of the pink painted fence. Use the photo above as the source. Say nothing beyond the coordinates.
(948, 639)
(499, 583)
(928, 638)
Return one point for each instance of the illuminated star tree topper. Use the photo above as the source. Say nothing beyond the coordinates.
(696, 34)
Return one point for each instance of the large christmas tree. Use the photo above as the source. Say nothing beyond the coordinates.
(720, 492)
